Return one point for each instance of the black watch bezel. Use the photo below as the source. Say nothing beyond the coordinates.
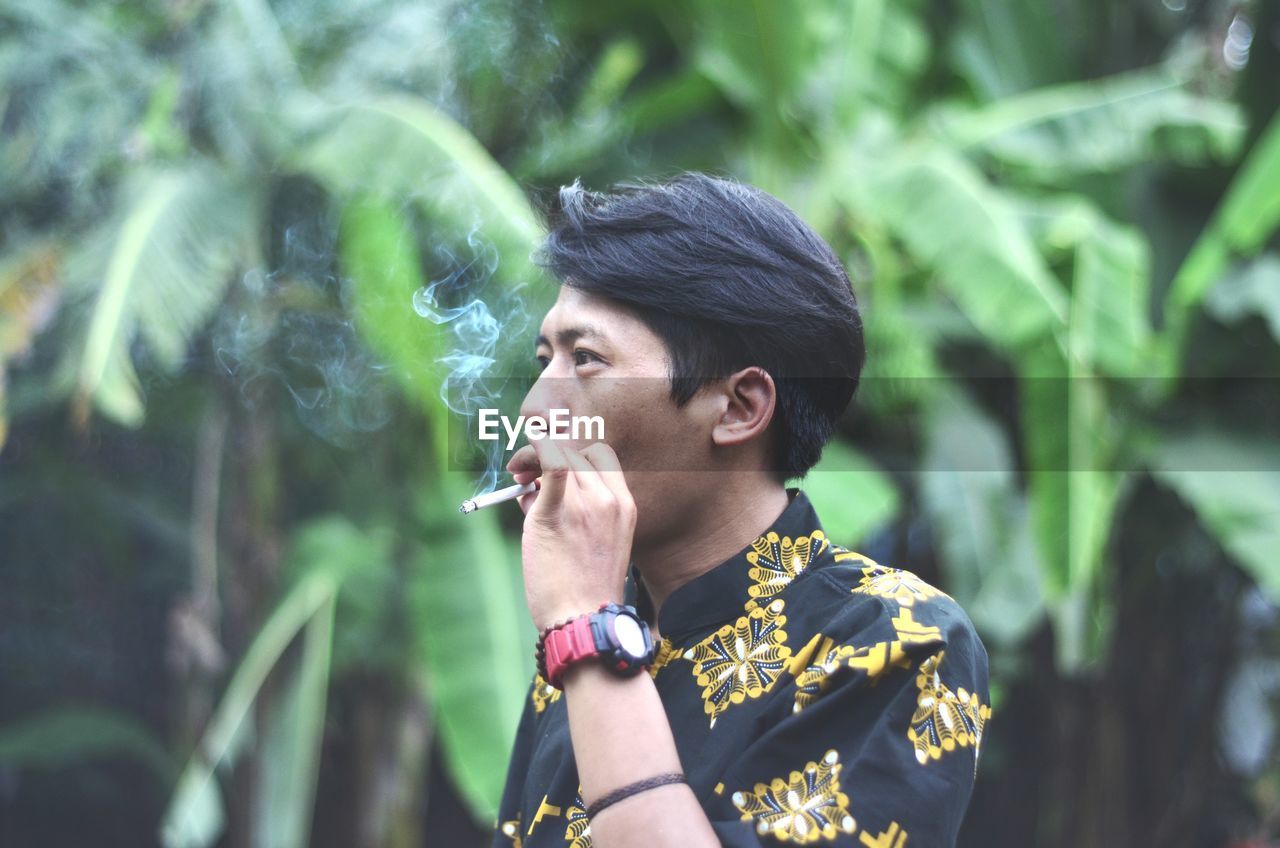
(604, 634)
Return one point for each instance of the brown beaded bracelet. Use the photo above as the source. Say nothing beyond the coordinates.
(630, 789)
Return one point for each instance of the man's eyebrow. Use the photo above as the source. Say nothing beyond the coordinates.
(569, 335)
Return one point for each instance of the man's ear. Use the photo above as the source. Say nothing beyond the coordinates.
(749, 399)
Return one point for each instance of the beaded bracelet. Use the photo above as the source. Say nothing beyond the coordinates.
(630, 789)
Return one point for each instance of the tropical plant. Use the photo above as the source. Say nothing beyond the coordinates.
(291, 242)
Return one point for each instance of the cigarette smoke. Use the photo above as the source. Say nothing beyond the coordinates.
(341, 392)
(340, 389)
(476, 332)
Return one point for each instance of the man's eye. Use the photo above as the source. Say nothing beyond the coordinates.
(584, 357)
(543, 362)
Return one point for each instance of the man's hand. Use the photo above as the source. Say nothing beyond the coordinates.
(578, 529)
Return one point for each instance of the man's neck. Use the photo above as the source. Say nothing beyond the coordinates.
(733, 517)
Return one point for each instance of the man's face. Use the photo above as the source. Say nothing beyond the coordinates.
(599, 358)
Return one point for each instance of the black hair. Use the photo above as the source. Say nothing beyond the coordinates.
(728, 277)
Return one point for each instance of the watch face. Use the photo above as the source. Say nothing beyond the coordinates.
(629, 635)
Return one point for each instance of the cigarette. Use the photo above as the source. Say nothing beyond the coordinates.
(510, 493)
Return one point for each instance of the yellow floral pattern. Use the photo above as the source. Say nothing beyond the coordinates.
(776, 560)
(805, 807)
(543, 694)
(944, 720)
(741, 660)
(815, 678)
(913, 632)
(578, 833)
(873, 660)
(845, 555)
(893, 837)
(901, 586)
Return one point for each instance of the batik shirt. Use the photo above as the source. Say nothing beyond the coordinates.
(815, 697)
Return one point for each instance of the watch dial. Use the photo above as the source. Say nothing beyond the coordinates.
(629, 634)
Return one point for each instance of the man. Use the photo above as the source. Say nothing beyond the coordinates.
(798, 692)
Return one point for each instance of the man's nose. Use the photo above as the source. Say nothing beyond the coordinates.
(546, 394)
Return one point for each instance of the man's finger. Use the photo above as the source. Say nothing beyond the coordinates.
(524, 465)
(585, 475)
(557, 476)
(602, 457)
(605, 462)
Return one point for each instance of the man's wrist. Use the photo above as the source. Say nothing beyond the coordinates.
(596, 674)
(540, 649)
(611, 633)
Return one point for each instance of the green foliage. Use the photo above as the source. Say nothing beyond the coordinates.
(465, 602)
(1004, 54)
(1248, 215)
(1097, 126)
(991, 270)
(293, 734)
(986, 174)
(473, 630)
(853, 497)
(196, 816)
(969, 492)
(362, 563)
(392, 147)
(1253, 290)
(1110, 332)
(70, 736)
(165, 267)
(377, 248)
(1233, 484)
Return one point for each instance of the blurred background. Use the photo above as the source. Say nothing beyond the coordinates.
(252, 252)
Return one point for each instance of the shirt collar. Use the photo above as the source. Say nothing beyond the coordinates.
(723, 593)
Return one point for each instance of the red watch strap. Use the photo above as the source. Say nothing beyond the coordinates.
(567, 645)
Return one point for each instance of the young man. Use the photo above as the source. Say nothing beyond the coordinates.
(792, 691)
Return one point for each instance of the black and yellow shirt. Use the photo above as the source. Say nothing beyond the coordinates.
(815, 696)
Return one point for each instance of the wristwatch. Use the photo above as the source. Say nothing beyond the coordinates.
(614, 633)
